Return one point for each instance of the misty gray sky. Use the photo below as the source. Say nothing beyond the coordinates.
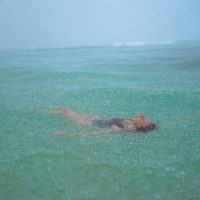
(66, 23)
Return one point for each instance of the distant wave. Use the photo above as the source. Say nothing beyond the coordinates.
(143, 43)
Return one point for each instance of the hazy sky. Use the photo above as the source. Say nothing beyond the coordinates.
(65, 23)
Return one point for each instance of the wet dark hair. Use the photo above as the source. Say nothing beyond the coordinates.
(148, 128)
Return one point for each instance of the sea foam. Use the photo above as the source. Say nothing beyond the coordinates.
(143, 43)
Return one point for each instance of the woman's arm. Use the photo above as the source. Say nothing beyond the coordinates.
(85, 133)
(96, 132)
(113, 129)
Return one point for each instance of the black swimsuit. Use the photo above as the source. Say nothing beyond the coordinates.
(100, 123)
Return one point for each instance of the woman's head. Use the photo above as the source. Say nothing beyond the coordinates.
(143, 124)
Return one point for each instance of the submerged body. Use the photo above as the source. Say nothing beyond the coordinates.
(100, 123)
(140, 123)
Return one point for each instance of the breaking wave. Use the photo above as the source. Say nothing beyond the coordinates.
(143, 43)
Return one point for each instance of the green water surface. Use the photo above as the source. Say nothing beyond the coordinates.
(162, 83)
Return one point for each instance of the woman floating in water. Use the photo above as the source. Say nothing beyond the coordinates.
(138, 124)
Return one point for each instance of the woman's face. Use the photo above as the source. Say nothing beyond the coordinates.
(141, 121)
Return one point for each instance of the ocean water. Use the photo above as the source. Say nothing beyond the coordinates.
(160, 81)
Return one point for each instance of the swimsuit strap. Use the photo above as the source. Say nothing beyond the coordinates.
(124, 120)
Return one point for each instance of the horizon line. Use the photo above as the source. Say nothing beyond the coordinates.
(115, 45)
